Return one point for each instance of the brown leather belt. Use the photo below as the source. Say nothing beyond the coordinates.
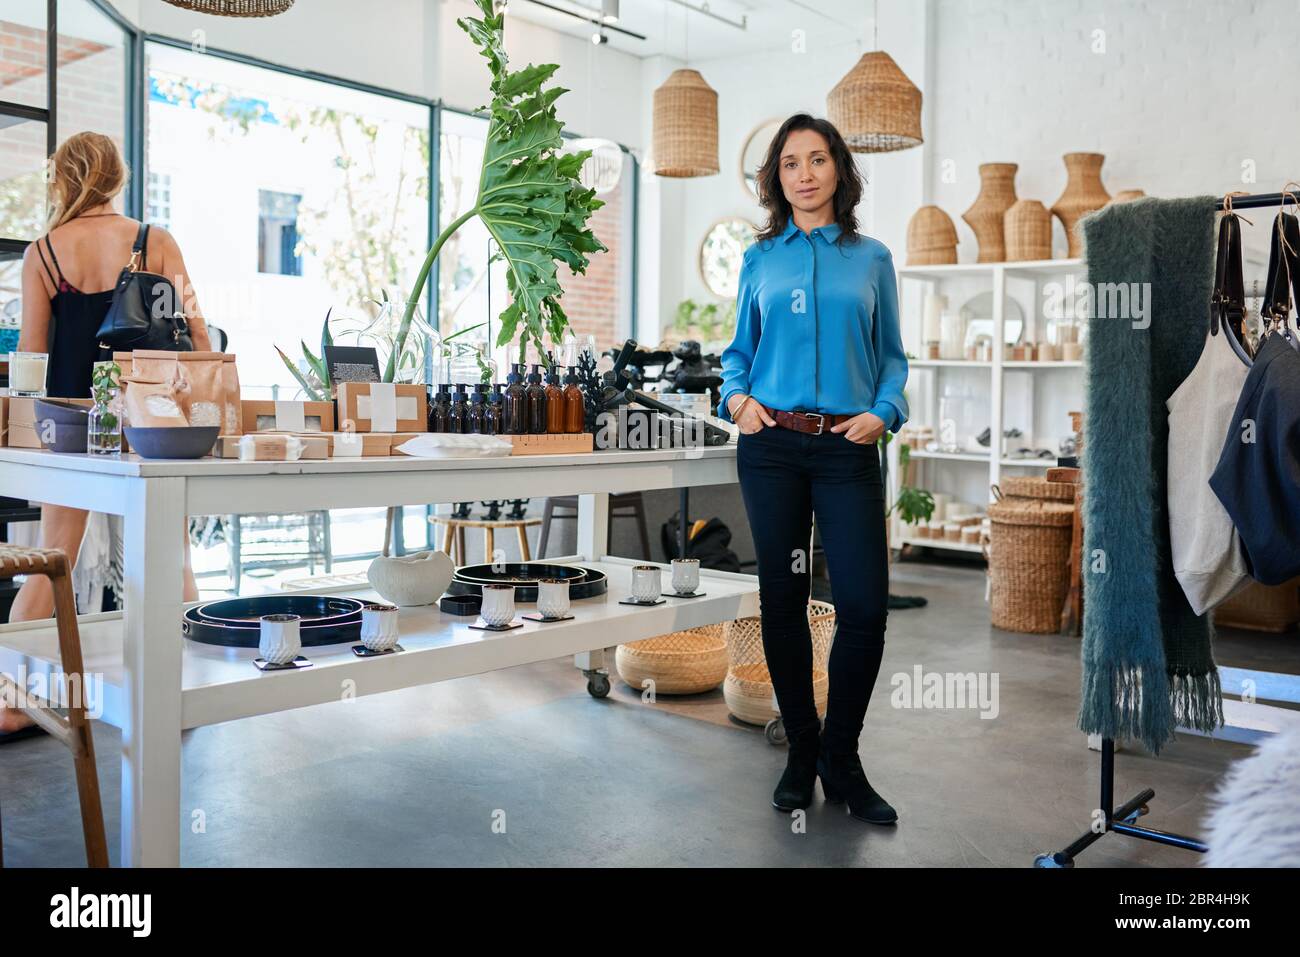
(811, 422)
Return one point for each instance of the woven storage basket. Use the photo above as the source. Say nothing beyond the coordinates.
(1029, 554)
(682, 662)
(876, 108)
(1027, 229)
(748, 688)
(931, 238)
(1257, 607)
(685, 126)
(1035, 486)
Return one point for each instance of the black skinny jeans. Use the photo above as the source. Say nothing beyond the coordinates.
(786, 476)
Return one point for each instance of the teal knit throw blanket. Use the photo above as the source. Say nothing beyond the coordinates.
(1148, 666)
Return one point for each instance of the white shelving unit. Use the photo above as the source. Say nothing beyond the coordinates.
(1055, 388)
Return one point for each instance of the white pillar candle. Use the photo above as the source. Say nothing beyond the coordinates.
(935, 304)
(27, 373)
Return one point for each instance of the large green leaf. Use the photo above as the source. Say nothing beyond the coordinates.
(530, 199)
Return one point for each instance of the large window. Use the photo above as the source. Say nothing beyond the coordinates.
(290, 197)
(89, 69)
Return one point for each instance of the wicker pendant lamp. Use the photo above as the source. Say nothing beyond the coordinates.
(235, 8)
(685, 126)
(876, 108)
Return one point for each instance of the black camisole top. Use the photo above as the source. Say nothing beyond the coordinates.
(75, 320)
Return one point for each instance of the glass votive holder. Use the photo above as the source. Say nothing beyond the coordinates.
(27, 374)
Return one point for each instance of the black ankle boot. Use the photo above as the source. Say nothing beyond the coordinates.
(844, 780)
(795, 789)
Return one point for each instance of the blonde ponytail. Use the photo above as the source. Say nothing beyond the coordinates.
(85, 172)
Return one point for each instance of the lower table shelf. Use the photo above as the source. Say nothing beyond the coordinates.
(221, 684)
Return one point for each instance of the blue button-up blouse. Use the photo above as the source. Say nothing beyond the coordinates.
(817, 328)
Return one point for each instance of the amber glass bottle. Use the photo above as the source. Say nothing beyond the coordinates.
(516, 402)
(554, 402)
(574, 407)
(536, 402)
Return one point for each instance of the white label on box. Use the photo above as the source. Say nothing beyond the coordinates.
(348, 445)
(384, 407)
(290, 417)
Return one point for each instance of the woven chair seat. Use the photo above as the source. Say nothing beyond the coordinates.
(17, 560)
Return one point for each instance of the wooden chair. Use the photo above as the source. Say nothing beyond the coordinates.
(74, 729)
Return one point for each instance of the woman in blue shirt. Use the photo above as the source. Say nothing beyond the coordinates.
(813, 378)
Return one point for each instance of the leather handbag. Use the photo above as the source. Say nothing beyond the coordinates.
(145, 312)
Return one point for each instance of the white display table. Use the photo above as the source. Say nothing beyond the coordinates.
(156, 683)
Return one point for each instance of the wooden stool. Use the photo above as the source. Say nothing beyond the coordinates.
(624, 505)
(74, 730)
(489, 526)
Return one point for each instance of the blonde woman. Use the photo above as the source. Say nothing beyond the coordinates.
(68, 279)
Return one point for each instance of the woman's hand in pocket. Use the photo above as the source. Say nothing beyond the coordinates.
(863, 429)
(752, 416)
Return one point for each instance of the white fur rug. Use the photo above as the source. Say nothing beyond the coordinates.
(1254, 820)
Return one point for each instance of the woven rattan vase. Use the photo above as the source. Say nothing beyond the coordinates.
(876, 108)
(985, 217)
(235, 8)
(931, 238)
(1029, 552)
(683, 662)
(1083, 194)
(1027, 231)
(685, 126)
(748, 688)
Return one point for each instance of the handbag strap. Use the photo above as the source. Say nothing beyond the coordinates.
(1283, 267)
(139, 250)
(1229, 297)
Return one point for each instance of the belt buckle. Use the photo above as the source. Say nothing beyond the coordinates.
(821, 420)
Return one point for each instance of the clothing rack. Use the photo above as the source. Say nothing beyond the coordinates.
(1123, 819)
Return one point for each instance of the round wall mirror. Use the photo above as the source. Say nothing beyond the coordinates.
(752, 153)
(721, 253)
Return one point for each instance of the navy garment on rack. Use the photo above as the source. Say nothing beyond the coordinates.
(1258, 475)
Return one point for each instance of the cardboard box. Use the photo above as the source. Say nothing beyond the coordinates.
(352, 445)
(383, 407)
(315, 447)
(264, 415)
(21, 414)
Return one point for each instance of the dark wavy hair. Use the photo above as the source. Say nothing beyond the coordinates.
(848, 187)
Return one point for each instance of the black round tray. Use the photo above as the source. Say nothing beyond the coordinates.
(583, 582)
(235, 622)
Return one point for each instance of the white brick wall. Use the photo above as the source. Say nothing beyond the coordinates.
(1185, 93)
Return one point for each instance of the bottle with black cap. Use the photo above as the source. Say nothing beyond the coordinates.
(477, 413)
(554, 400)
(515, 403)
(575, 409)
(459, 418)
(492, 412)
(440, 410)
(536, 402)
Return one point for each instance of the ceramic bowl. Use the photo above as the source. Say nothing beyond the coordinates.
(61, 426)
(172, 442)
(412, 579)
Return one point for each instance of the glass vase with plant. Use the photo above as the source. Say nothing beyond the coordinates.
(104, 425)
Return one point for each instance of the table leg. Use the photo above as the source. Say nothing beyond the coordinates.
(151, 653)
(593, 526)
(489, 545)
(525, 554)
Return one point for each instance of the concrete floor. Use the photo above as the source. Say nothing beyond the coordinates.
(523, 768)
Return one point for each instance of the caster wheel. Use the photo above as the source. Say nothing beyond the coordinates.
(598, 686)
(1049, 860)
(775, 731)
